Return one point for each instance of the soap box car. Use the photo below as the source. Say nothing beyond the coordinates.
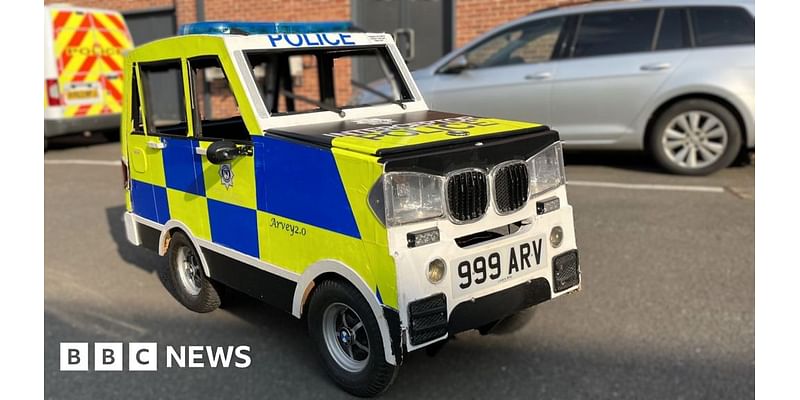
(387, 226)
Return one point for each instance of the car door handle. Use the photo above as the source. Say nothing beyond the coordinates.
(156, 145)
(655, 66)
(538, 76)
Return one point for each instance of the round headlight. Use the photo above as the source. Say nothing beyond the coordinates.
(556, 236)
(436, 271)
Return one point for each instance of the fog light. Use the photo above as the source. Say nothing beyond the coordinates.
(548, 205)
(421, 238)
(556, 236)
(436, 270)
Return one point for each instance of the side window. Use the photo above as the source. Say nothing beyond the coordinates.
(721, 26)
(216, 112)
(136, 105)
(526, 44)
(615, 32)
(673, 33)
(162, 87)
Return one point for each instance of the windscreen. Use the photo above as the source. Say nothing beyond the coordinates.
(325, 79)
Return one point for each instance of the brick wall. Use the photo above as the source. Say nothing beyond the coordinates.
(121, 5)
(473, 18)
(282, 10)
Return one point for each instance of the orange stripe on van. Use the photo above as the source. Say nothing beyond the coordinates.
(82, 110)
(87, 65)
(76, 39)
(111, 39)
(111, 63)
(113, 90)
(59, 21)
(116, 21)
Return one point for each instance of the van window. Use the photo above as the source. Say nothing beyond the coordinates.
(162, 87)
(527, 44)
(291, 82)
(215, 110)
(722, 26)
(615, 32)
(136, 105)
(672, 34)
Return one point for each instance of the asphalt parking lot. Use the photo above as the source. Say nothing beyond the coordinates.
(666, 310)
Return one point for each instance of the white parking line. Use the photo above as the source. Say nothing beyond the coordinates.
(647, 186)
(83, 162)
(613, 185)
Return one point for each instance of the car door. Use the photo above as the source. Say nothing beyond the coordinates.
(230, 187)
(162, 165)
(507, 75)
(615, 63)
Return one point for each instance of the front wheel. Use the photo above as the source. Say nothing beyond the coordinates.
(344, 329)
(695, 137)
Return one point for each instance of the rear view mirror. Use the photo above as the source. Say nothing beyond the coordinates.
(222, 152)
(456, 65)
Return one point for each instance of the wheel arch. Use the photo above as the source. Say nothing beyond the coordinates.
(169, 229)
(336, 270)
(651, 121)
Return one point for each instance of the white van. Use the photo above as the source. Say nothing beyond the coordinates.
(83, 51)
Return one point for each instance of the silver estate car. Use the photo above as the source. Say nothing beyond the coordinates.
(674, 78)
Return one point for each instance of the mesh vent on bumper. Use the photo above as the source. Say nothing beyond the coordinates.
(428, 319)
(566, 271)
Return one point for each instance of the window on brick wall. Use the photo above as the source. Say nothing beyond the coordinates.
(525, 44)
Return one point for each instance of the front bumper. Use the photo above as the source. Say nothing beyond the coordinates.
(457, 310)
(65, 126)
(428, 319)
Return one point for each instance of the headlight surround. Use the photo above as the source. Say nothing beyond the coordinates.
(546, 169)
(412, 197)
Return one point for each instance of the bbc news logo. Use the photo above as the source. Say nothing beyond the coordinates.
(75, 356)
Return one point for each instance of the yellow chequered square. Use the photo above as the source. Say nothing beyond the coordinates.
(242, 191)
(190, 209)
(145, 163)
(295, 246)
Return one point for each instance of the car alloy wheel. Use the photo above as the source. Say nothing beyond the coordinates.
(694, 139)
(345, 337)
(189, 271)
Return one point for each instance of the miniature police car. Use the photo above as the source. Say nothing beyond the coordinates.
(387, 226)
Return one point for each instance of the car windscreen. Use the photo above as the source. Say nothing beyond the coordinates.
(308, 80)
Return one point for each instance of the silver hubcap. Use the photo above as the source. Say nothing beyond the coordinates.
(694, 139)
(189, 271)
(346, 337)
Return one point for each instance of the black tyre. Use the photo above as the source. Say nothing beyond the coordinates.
(695, 137)
(191, 286)
(348, 339)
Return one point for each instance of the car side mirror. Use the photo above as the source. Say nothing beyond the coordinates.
(456, 65)
(225, 151)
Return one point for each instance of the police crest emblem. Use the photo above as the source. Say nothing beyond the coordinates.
(226, 175)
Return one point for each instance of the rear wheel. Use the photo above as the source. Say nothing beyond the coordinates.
(344, 329)
(695, 137)
(191, 286)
